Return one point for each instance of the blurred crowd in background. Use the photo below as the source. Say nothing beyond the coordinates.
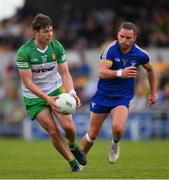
(92, 26)
(83, 29)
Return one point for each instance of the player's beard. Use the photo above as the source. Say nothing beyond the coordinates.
(125, 47)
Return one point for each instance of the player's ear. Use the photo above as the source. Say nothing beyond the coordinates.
(135, 37)
(118, 34)
(35, 31)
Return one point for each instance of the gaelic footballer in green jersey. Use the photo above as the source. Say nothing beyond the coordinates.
(37, 61)
(42, 65)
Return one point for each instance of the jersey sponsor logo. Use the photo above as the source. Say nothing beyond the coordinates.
(43, 70)
(34, 60)
(117, 59)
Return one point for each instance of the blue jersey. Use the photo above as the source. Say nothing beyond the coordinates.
(120, 87)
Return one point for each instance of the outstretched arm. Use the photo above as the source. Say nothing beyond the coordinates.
(152, 99)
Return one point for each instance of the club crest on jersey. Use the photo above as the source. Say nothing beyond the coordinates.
(53, 56)
(133, 63)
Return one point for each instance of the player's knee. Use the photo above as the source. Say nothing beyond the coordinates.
(69, 127)
(54, 133)
(118, 129)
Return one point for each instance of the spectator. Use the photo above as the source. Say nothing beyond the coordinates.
(11, 106)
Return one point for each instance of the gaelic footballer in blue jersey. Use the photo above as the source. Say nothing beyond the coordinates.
(117, 70)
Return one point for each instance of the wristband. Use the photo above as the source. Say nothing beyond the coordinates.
(72, 91)
(119, 73)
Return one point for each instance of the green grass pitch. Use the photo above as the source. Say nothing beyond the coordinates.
(39, 160)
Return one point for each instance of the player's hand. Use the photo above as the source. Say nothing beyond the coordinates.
(78, 103)
(152, 99)
(52, 102)
(129, 72)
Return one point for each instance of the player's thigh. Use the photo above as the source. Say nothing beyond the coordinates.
(96, 121)
(46, 120)
(119, 116)
(66, 121)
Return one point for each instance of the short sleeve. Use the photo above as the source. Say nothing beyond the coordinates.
(22, 59)
(106, 55)
(145, 59)
(61, 54)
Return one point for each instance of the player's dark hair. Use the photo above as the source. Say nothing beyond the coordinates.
(41, 21)
(128, 26)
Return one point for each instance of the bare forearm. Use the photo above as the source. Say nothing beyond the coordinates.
(107, 74)
(152, 81)
(35, 89)
(128, 72)
(67, 82)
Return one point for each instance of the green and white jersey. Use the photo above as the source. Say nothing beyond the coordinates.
(43, 65)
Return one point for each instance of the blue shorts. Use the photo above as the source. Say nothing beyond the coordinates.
(104, 104)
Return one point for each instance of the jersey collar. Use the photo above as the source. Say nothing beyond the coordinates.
(35, 46)
(42, 50)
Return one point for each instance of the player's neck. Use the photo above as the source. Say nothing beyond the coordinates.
(40, 45)
(125, 51)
